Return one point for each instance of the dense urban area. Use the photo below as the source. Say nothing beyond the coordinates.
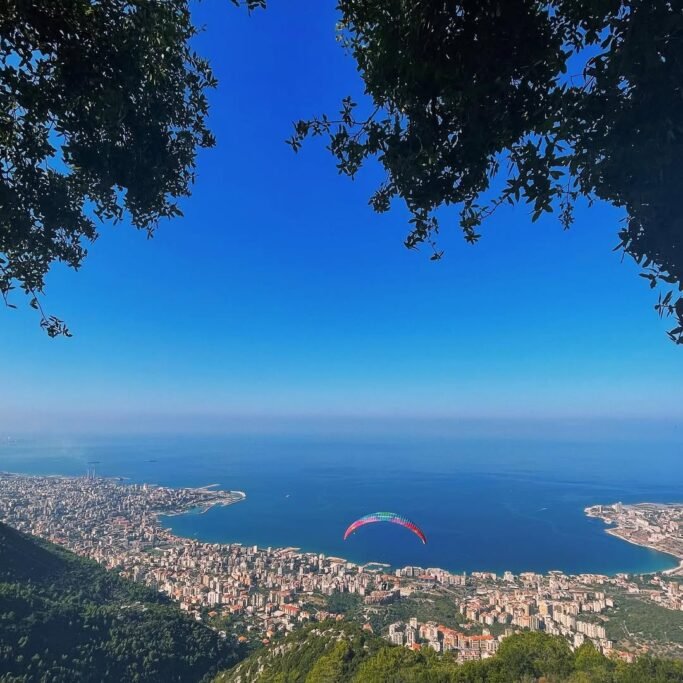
(253, 594)
(652, 525)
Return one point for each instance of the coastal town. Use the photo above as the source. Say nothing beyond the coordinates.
(652, 525)
(254, 593)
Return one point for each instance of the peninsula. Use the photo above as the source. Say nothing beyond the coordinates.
(653, 525)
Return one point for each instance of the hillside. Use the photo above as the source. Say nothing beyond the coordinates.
(341, 653)
(63, 618)
(66, 619)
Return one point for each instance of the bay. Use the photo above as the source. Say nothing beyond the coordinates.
(485, 504)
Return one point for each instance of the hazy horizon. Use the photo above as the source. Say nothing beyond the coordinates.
(567, 429)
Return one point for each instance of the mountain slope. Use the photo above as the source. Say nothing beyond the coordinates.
(63, 618)
(343, 653)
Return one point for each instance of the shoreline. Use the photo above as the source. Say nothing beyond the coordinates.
(235, 496)
(619, 530)
(231, 496)
(202, 509)
(118, 525)
(614, 531)
(391, 567)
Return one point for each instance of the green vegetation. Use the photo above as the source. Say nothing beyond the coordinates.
(424, 606)
(648, 621)
(63, 618)
(340, 653)
(476, 104)
(344, 603)
(332, 651)
(432, 606)
(103, 109)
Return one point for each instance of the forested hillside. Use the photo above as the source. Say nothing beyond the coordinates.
(63, 618)
(340, 653)
(66, 619)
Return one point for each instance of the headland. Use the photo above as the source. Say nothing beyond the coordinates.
(658, 526)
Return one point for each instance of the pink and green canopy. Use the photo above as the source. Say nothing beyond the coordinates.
(386, 517)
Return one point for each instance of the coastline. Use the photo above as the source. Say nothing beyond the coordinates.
(231, 497)
(614, 531)
(220, 498)
(619, 528)
(117, 525)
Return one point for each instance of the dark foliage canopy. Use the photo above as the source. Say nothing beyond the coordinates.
(64, 619)
(102, 110)
(478, 103)
(343, 653)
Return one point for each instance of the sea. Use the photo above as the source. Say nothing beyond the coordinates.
(485, 504)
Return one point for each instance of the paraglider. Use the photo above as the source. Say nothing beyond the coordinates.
(386, 517)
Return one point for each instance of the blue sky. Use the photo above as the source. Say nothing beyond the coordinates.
(280, 293)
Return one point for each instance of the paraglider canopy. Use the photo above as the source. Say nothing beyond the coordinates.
(386, 517)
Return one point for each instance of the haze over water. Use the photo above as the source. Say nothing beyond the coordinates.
(484, 504)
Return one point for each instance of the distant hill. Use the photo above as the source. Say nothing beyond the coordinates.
(63, 618)
(341, 653)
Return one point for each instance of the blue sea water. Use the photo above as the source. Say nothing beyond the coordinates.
(484, 504)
